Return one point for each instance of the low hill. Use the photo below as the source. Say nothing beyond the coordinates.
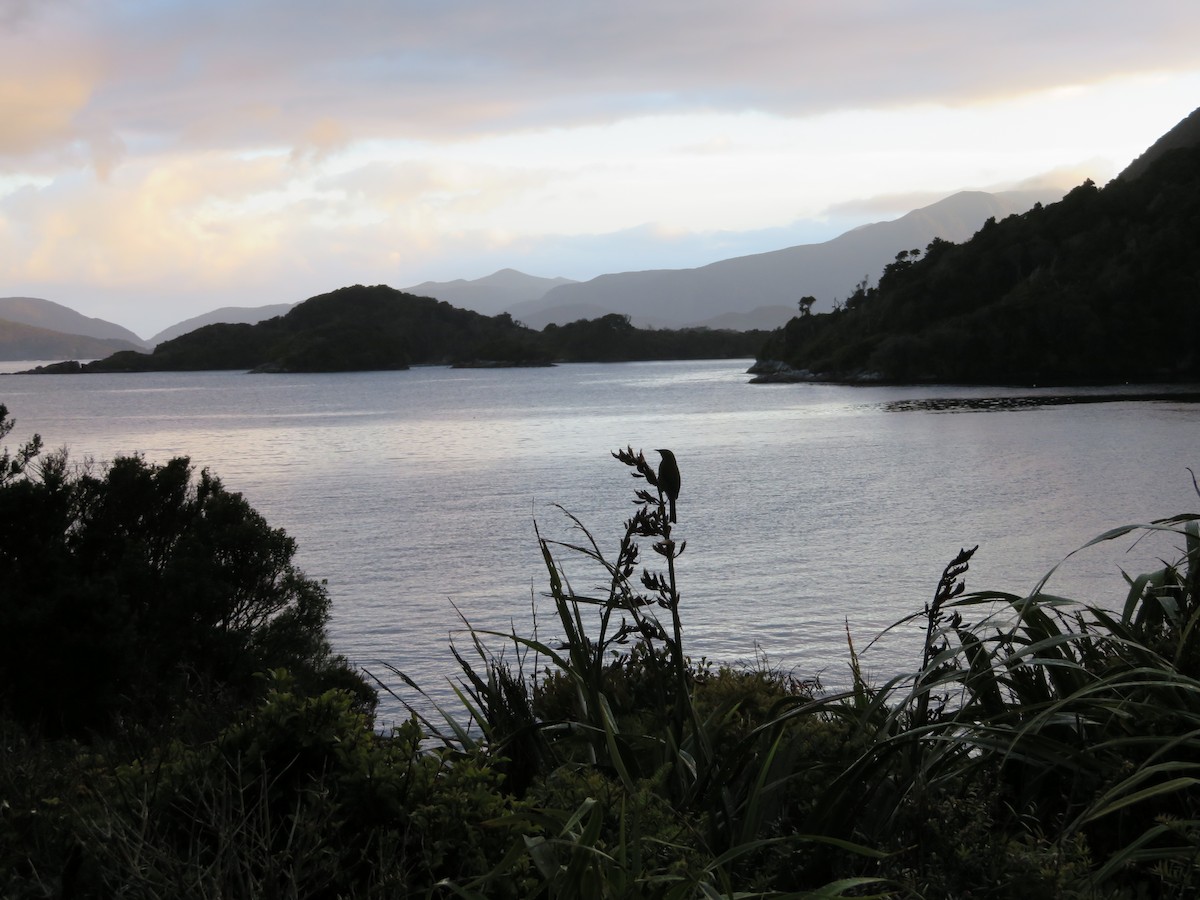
(226, 315)
(1100, 287)
(377, 328)
(20, 341)
(352, 329)
(53, 316)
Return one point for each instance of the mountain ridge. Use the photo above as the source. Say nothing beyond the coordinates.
(1184, 134)
(492, 294)
(20, 341)
(50, 316)
(776, 278)
(226, 315)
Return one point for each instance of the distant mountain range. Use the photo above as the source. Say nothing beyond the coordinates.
(19, 341)
(31, 328)
(761, 291)
(744, 293)
(226, 315)
(499, 292)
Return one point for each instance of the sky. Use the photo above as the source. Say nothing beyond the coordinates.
(162, 158)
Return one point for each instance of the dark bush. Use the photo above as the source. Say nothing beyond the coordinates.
(133, 590)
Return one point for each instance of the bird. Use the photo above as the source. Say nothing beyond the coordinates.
(668, 478)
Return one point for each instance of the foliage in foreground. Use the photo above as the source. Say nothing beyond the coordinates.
(1040, 748)
(129, 591)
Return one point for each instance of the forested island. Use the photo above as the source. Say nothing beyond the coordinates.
(1101, 287)
(362, 328)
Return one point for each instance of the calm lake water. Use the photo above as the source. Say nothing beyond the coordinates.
(807, 508)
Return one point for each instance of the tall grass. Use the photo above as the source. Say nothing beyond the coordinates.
(1069, 728)
(1041, 746)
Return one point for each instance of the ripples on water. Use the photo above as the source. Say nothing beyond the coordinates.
(807, 508)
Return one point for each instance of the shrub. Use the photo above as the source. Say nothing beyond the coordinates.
(300, 798)
(132, 590)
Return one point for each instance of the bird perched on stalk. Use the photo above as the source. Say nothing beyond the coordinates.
(668, 478)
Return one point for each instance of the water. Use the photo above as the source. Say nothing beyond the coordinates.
(806, 508)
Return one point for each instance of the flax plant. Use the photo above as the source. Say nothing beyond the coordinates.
(625, 630)
(1072, 729)
(685, 821)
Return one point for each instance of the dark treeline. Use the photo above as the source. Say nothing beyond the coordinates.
(1099, 287)
(379, 328)
(612, 338)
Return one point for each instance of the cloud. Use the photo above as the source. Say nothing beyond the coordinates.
(1065, 177)
(14, 13)
(310, 75)
(1050, 186)
(883, 206)
(323, 138)
(149, 224)
(38, 111)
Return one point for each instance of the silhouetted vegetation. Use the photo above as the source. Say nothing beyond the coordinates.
(378, 328)
(130, 589)
(1040, 748)
(1097, 288)
(612, 338)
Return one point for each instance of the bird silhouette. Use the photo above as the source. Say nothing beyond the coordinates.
(668, 478)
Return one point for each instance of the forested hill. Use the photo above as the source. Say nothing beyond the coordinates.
(1101, 287)
(353, 328)
(377, 328)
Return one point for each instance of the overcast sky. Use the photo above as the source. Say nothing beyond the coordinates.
(161, 158)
